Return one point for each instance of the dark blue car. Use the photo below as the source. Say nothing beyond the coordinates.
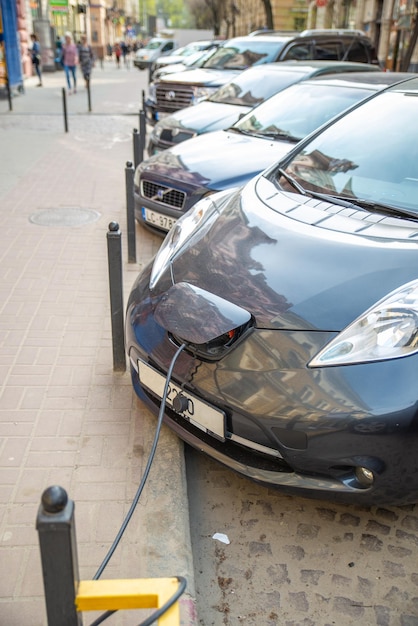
(285, 314)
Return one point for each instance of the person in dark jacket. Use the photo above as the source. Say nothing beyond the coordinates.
(86, 58)
(36, 57)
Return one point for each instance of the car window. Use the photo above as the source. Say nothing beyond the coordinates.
(153, 45)
(387, 172)
(241, 55)
(356, 51)
(299, 110)
(328, 51)
(298, 52)
(168, 46)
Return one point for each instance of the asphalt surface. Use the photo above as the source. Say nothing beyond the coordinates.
(67, 417)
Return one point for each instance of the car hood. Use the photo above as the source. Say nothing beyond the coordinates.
(296, 263)
(145, 53)
(202, 76)
(208, 116)
(217, 160)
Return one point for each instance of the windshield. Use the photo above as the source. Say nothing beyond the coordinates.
(299, 110)
(153, 45)
(370, 154)
(240, 55)
(253, 87)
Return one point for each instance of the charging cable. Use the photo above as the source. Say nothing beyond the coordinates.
(132, 508)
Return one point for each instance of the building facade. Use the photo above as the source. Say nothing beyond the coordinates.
(391, 24)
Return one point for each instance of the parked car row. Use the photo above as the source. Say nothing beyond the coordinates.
(171, 182)
(176, 91)
(238, 96)
(278, 322)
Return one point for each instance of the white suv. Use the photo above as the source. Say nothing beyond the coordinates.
(156, 47)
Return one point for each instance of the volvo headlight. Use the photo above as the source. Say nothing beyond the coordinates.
(202, 214)
(388, 330)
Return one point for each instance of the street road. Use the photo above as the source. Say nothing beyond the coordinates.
(297, 562)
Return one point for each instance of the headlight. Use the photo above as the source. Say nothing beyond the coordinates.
(203, 213)
(156, 133)
(388, 330)
(201, 93)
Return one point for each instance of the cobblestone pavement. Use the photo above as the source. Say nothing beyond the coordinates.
(295, 561)
(66, 417)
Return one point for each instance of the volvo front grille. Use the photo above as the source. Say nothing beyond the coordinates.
(162, 194)
(172, 96)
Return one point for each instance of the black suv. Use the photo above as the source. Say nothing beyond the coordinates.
(179, 90)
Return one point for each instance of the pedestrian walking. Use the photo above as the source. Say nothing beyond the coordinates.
(36, 57)
(70, 61)
(58, 53)
(86, 59)
(118, 52)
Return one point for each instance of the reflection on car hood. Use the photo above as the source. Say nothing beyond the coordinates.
(202, 76)
(217, 160)
(296, 263)
(207, 116)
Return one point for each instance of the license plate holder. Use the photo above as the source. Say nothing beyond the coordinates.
(198, 412)
(165, 222)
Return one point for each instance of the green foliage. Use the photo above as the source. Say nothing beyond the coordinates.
(176, 14)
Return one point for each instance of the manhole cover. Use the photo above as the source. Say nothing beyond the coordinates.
(64, 217)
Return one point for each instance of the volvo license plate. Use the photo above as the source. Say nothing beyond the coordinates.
(198, 412)
(165, 222)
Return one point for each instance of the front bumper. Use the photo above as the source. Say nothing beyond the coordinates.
(304, 431)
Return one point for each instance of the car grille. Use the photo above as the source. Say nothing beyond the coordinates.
(173, 136)
(162, 194)
(172, 97)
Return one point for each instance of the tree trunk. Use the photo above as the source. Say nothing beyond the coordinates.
(269, 14)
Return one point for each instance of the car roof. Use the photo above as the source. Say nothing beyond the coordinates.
(304, 66)
(266, 38)
(368, 79)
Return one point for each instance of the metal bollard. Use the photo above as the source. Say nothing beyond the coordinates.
(88, 94)
(130, 211)
(114, 251)
(56, 529)
(64, 106)
(142, 130)
(143, 99)
(137, 148)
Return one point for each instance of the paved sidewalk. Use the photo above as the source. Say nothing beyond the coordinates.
(66, 418)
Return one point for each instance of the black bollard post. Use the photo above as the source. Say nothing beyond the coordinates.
(88, 94)
(130, 211)
(136, 139)
(114, 251)
(56, 529)
(143, 99)
(64, 106)
(9, 93)
(142, 131)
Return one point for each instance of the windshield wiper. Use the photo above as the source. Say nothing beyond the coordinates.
(236, 129)
(357, 203)
(368, 205)
(292, 181)
(235, 67)
(387, 209)
(314, 194)
(280, 134)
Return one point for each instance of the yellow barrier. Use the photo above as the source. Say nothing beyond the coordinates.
(136, 593)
